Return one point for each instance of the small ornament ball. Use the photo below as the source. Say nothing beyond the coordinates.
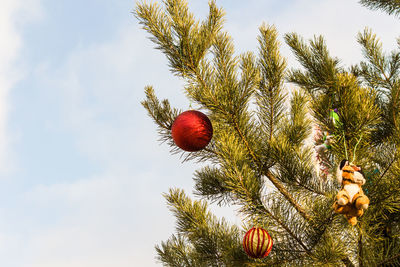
(257, 243)
(335, 117)
(192, 130)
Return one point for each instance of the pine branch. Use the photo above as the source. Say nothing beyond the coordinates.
(289, 231)
(287, 195)
(347, 262)
(389, 260)
(394, 107)
(360, 248)
(234, 120)
(161, 112)
(175, 32)
(321, 69)
(272, 71)
(269, 97)
(239, 191)
(213, 242)
(389, 6)
(380, 70)
(394, 159)
(211, 183)
(176, 252)
(281, 188)
(297, 126)
(236, 187)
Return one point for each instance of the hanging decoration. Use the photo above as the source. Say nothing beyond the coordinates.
(257, 243)
(335, 117)
(323, 141)
(351, 200)
(192, 130)
(323, 144)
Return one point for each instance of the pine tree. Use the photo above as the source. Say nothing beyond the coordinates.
(262, 156)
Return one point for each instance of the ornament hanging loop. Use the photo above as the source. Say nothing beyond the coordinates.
(355, 148)
(345, 146)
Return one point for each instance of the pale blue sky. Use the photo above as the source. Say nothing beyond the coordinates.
(81, 168)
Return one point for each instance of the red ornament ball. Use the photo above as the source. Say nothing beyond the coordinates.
(257, 243)
(192, 130)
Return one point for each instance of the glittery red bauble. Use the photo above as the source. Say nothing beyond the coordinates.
(257, 243)
(192, 130)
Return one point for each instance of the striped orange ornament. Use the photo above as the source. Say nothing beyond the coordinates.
(257, 243)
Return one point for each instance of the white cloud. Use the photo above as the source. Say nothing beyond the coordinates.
(103, 223)
(10, 44)
(116, 217)
(13, 14)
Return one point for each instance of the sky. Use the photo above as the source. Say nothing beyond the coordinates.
(82, 172)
